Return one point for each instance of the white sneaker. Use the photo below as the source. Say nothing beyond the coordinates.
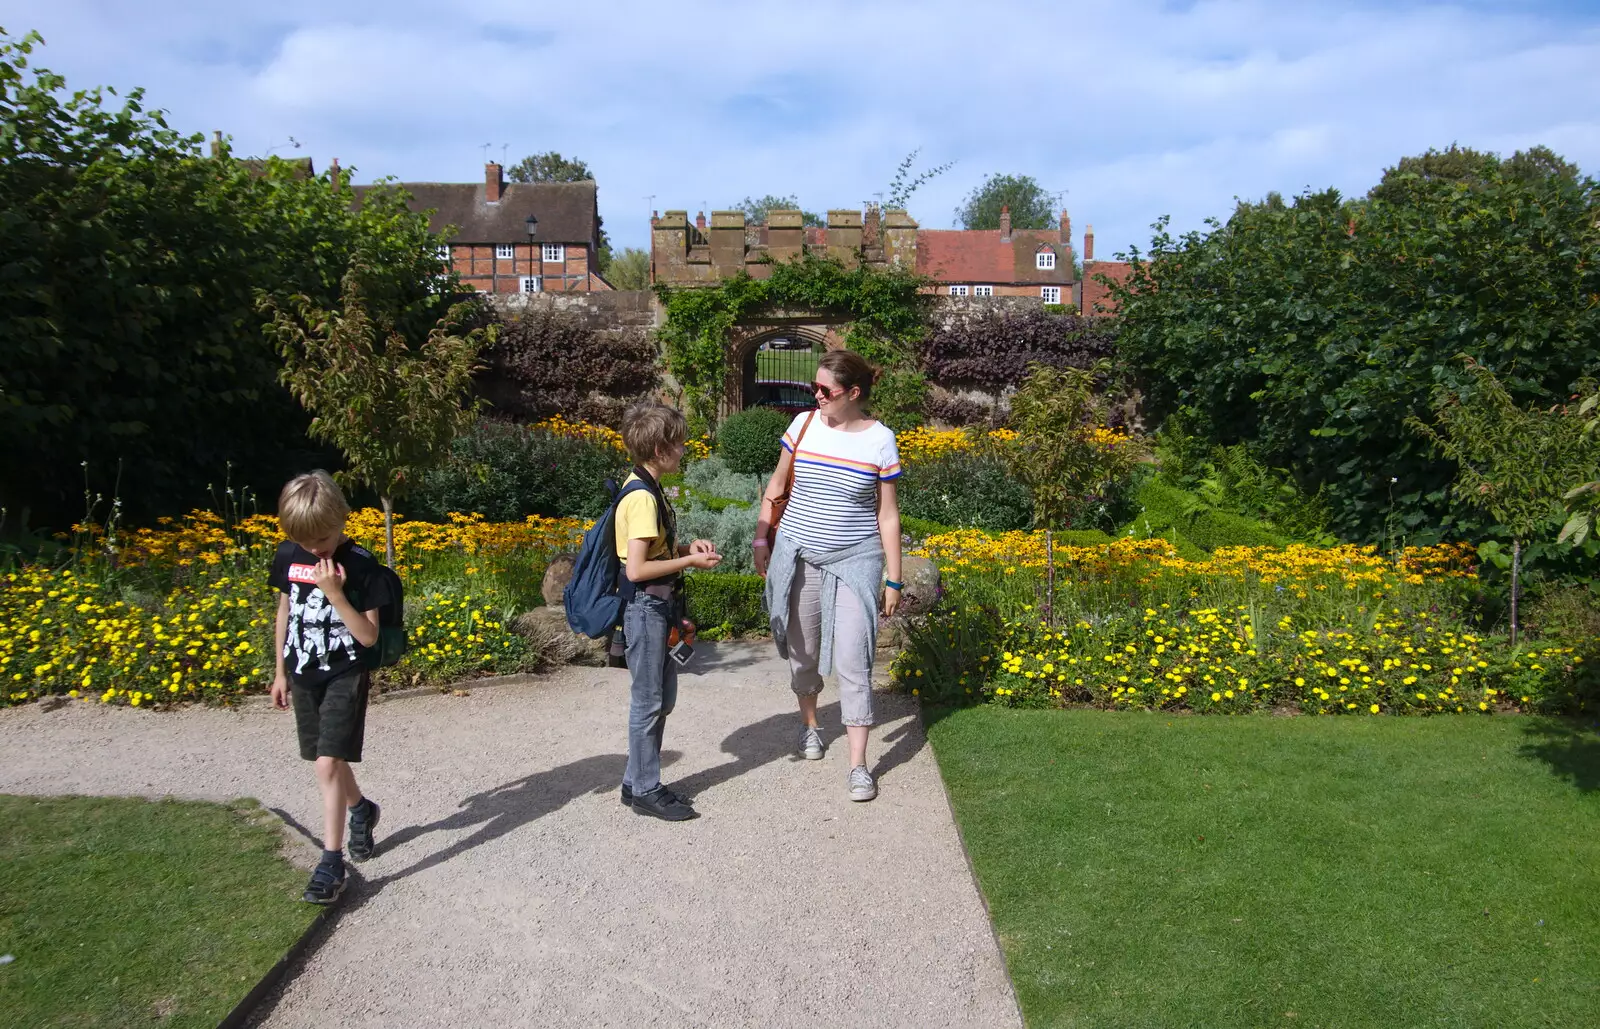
(811, 743)
(862, 786)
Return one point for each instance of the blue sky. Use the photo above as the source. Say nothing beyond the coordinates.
(1134, 108)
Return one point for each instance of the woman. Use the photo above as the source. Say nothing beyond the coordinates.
(836, 540)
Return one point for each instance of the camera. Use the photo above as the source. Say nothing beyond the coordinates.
(682, 652)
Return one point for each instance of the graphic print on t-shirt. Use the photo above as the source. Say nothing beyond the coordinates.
(315, 629)
(318, 646)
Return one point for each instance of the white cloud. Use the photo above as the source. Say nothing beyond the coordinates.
(1134, 108)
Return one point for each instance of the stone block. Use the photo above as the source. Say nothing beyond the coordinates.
(921, 593)
(556, 577)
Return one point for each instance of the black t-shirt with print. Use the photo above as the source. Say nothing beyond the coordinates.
(318, 647)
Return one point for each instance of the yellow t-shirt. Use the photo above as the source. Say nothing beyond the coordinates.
(637, 520)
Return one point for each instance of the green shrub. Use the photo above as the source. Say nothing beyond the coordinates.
(733, 530)
(712, 478)
(970, 491)
(506, 472)
(921, 528)
(724, 605)
(751, 441)
(1167, 508)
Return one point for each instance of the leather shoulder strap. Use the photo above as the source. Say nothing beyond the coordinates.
(789, 487)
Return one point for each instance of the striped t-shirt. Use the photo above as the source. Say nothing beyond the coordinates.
(836, 474)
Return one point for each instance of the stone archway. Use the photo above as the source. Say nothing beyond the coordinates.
(823, 331)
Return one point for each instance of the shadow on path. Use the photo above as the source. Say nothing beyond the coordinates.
(1570, 747)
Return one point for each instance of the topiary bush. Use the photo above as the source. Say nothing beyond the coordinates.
(1206, 528)
(751, 441)
(968, 491)
(506, 472)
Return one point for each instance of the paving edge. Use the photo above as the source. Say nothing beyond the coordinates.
(972, 871)
(243, 1011)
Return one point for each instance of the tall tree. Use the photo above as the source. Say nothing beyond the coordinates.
(391, 403)
(128, 265)
(549, 167)
(630, 269)
(1031, 207)
(1311, 331)
(1478, 168)
(755, 209)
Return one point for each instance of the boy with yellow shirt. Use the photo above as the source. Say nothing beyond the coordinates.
(651, 586)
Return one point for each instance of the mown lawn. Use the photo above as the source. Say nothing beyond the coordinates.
(1152, 872)
(126, 912)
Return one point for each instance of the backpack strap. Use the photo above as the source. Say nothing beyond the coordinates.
(626, 587)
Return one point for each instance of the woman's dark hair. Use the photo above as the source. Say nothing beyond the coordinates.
(850, 370)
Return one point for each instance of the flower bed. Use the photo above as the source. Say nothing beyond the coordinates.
(183, 611)
(1321, 630)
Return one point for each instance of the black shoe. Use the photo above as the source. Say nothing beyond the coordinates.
(326, 884)
(627, 795)
(664, 804)
(363, 819)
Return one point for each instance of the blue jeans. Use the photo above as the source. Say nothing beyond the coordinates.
(646, 622)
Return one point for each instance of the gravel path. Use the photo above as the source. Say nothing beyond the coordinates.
(512, 889)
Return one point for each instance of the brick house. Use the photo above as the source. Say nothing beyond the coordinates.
(490, 248)
(999, 263)
(1097, 297)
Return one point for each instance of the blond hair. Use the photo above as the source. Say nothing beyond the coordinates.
(649, 427)
(312, 506)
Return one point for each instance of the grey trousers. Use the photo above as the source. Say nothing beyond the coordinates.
(805, 632)
(645, 624)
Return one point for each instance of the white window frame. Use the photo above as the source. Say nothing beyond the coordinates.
(958, 291)
(983, 291)
(1045, 260)
(1050, 294)
(442, 252)
(505, 251)
(529, 284)
(553, 253)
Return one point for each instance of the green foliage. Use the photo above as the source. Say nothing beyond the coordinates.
(713, 477)
(1474, 168)
(723, 605)
(1057, 453)
(751, 441)
(755, 210)
(1230, 479)
(1513, 463)
(127, 300)
(1031, 207)
(904, 183)
(507, 472)
(965, 490)
(886, 308)
(1207, 528)
(1583, 500)
(900, 397)
(629, 269)
(391, 404)
(549, 167)
(720, 505)
(920, 529)
(1311, 331)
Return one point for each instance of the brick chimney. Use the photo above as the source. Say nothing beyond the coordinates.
(216, 143)
(1066, 228)
(700, 221)
(1088, 242)
(333, 175)
(1005, 223)
(494, 182)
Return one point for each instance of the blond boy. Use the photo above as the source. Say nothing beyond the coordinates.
(329, 593)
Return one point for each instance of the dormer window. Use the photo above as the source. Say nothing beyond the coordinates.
(1044, 260)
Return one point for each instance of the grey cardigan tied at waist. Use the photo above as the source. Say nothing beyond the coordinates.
(859, 567)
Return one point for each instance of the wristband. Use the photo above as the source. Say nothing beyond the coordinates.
(896, 586)
(759, 543)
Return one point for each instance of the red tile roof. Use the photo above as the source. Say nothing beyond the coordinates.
(1097, 297)
(979, 256)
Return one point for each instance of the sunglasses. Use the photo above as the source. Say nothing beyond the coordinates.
(819, 390)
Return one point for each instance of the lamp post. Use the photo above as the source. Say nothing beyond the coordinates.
(534, 258)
